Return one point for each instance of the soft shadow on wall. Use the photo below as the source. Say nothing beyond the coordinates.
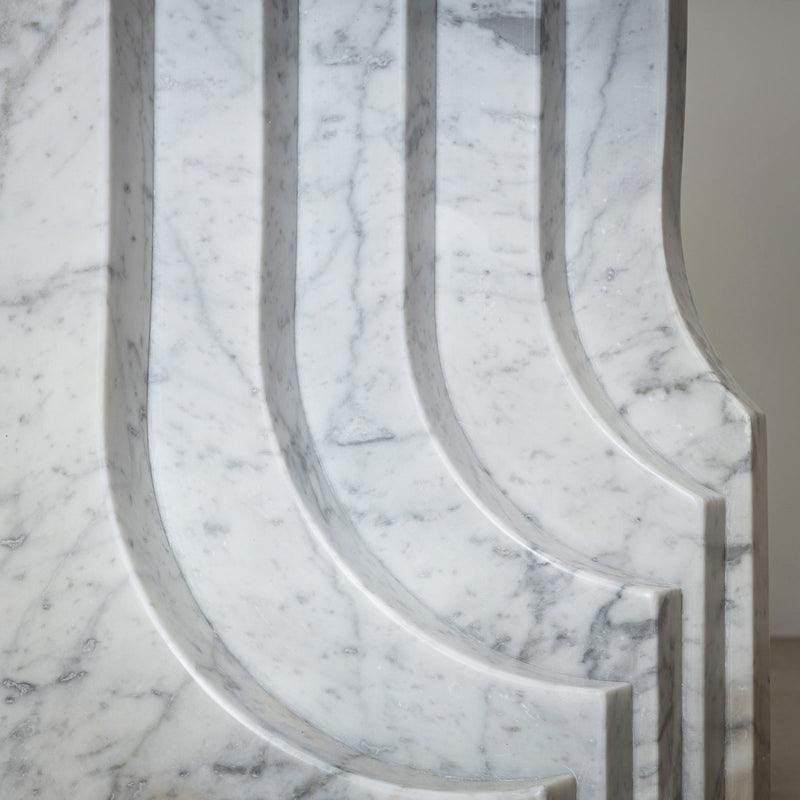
(741, 235)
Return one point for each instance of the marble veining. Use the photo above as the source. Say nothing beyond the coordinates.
(378, 449)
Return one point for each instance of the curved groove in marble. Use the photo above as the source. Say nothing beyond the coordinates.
(427, 376)
(319, 505)
(463, 464)
(155, 573)
(314, 483)
(663, 724)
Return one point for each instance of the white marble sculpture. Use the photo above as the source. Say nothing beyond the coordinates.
(361, 441)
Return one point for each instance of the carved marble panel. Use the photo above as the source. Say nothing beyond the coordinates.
(363, 441)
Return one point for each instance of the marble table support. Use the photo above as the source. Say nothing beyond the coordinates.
(363, 441)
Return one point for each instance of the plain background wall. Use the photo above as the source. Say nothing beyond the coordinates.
(741, 235)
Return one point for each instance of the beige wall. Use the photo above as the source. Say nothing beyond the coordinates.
(741, 232)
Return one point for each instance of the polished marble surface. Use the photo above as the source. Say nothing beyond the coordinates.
(364, 441)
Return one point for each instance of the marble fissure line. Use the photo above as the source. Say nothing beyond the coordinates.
(657, 367)
(280, 140)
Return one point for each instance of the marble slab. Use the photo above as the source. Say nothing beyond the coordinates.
(363, 441)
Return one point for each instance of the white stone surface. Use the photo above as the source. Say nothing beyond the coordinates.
(358, 378)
